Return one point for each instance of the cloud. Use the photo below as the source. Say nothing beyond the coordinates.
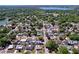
(39, 2)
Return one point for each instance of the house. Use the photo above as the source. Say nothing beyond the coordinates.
(10, 47)
(16, 29)
(21, 36)
(38, 43)
(58, 41)
(47, 26)
(23, 40)
(69, 49)
(29, 47)
(64, 42)
(55, 14)
(51, 37)
(13, 26)
(19, 47)
(55, 28)
(39, 32)
(30, 40)
(76, 46)
(50, 33)
(38, 47)
(67, 38)
(70, 42)
(70, 30)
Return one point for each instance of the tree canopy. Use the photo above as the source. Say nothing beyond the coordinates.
(51, 45)
(75, 51)
(4, 42)
(62, 50)
(74, 37)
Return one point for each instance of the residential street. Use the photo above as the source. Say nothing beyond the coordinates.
(45, 39)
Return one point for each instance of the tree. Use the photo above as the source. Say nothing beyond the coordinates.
(51, 45)
(40, 38)
(12, 36)
(2, 35)
(4, 42)
(62, 30)
(62, 50)
(74, 37)
(4, 30)
(61, 37)
(75, 51)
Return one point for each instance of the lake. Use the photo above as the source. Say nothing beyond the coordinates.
(3, 22)
(55, 8)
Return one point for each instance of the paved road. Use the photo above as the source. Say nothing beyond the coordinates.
(46, 51)
(6, 50)
(36, 52)
(2, 51)
(15, 51)
(13, 29)
(45, 39)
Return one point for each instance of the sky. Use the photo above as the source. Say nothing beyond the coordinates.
(39, 2)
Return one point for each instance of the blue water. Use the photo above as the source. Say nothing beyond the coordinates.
(55, 8)
(3, 22)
